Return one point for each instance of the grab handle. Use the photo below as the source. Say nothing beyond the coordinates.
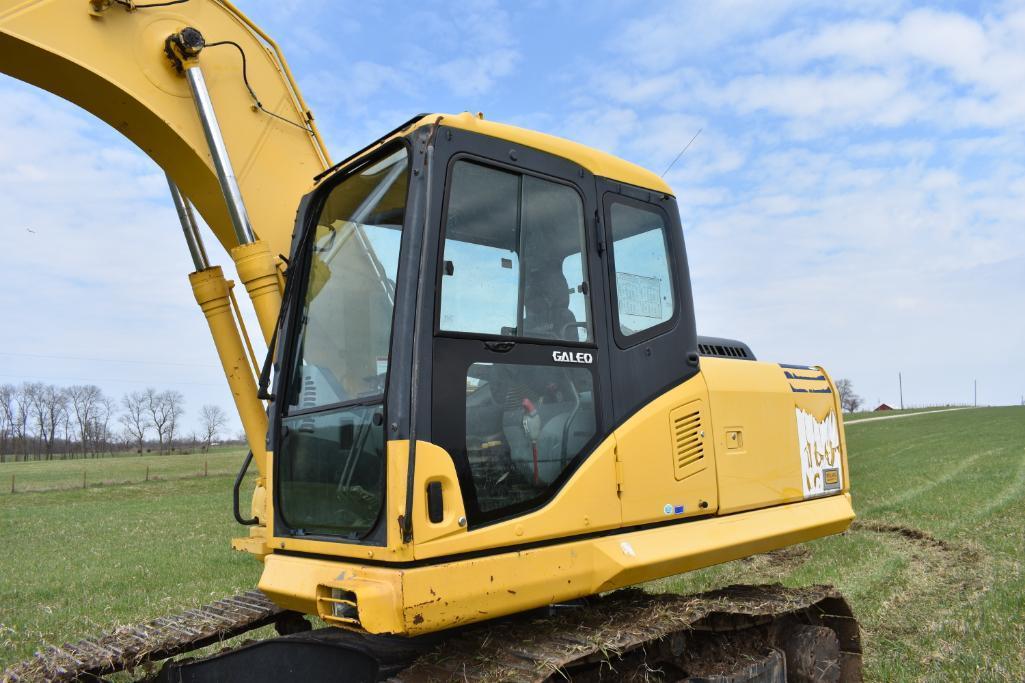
(238, 483)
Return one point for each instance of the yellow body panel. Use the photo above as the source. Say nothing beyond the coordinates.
(428, 598)
(646, 443)
(587, 503)
(597, 162)
(756, 402)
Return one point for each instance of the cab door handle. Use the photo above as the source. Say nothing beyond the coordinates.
(499, 346)
(435, 503)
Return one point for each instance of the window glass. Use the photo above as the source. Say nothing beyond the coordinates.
(481, 270)
(640, 251)
(332, 471)
(345, 325)
(513, 257)
(524, 425)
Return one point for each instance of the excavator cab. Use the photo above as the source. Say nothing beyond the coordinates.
(495, 294)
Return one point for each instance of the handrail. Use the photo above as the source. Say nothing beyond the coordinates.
(235, 493)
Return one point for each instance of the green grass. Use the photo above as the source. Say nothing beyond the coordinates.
(77, 562)
(66, 474)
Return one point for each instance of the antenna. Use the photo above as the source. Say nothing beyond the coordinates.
(681, 153)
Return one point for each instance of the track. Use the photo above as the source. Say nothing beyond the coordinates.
(740, 631)
(631, 635)
(129, 647)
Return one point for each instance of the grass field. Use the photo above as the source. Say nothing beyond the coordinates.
(66, 474)
(944, 604)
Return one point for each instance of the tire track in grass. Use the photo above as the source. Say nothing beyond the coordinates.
(1016, 489)
(917, 605)
(917, 491)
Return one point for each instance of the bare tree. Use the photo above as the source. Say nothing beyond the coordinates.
(107, 410)
(49, 405)
(85, 404)
(22, 412)
(157, 410)
(7, 419)
(213, 420)
(28, 415)
(174, 407)
(135, 418)
(849, 401)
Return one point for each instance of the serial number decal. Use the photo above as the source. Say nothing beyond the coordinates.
(819, 442)
(572, 357)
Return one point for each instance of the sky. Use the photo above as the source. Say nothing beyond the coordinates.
(855, 197)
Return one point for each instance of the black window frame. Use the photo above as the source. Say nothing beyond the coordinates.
(628, 341)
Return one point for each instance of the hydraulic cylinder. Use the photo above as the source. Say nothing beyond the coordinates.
(258, 270)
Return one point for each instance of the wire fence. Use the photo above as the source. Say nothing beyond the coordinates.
(140, 474)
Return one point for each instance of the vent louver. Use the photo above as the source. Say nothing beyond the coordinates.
(719, 347)
(722, 351)
(689, 444)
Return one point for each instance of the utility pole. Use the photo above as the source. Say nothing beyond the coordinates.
(900, 383)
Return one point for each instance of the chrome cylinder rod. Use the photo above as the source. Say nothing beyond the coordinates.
(189, 227)
(219, 152)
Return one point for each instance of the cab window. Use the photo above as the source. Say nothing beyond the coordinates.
(640, 255)
(513, 257)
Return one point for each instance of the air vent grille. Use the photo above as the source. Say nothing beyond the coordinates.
(687, 425)
(723, 351)
(720, 347)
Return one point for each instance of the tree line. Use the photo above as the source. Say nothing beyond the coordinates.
(42, 421)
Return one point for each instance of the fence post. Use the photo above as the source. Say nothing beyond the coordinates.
(206, 468)
(12, 483)
(147, 472)
(83, 478)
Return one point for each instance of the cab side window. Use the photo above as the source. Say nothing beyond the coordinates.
(513, 257)
(643, 283)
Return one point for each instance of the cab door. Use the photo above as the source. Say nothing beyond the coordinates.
(518, 372)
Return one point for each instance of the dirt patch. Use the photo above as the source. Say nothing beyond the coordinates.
(923, 537)
(780, 561)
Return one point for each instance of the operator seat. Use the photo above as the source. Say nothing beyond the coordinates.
(546, 304)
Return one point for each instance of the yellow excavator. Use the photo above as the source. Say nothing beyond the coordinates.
(484, 406)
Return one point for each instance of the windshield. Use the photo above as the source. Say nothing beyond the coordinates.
(331, 462)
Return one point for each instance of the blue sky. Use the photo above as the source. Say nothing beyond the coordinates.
(856, 197)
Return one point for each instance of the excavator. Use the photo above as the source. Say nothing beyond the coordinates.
(485, 406)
